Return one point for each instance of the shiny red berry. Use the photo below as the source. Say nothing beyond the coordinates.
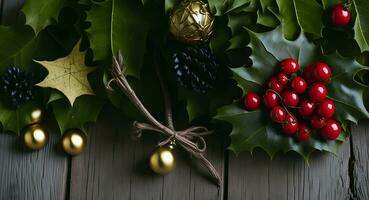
(278, 114)
(303, 133)
(270, 99)
(308, 73)
(331, 130)
(306, 108)
(340, 15)
(289, 66)
(282, 78)
(317, 92)
(274, 85)
(251, 101)
(290, 99)
(290, 125)
(298, 85)
(317, 121)
(326, 108)
(322, 72)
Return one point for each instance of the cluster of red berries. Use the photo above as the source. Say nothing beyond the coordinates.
(290, 95)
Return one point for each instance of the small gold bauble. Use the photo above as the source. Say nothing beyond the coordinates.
(35, 137)
(35, 116)
(74, 141)
(162, 159)
(191, 22)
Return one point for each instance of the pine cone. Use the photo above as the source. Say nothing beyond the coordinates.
(16, 87)
(195, 67)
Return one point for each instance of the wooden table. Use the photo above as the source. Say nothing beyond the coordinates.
(115, 167)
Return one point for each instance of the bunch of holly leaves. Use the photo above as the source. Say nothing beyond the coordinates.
(249, 39)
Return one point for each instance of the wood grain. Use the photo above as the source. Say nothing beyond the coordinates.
(360, 161)
(116, 167)
(10, 11)
(288, 177)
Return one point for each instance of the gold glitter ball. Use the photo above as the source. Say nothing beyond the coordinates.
(191, 22)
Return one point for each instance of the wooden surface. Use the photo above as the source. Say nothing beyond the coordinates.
(115, 167)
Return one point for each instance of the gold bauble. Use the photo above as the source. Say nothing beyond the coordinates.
(35, 116)
(191, 22)
(74, 141)
(162, 159)
(35, 137)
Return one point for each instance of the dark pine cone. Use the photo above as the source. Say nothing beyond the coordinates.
(195, 67)
(16, 87)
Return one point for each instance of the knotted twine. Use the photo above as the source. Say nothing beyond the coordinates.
(190, 139)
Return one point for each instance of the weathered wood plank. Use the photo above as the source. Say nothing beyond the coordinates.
(288, 177)
(116, 167)
(360, 164)
(28, 174)
(10, 11)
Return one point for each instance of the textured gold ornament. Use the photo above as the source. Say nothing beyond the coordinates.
(192, 22)
(74, 141)
(35, 137)
(162, 159)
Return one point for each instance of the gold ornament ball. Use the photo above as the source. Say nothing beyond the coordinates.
(35, 116)
(162, 159)
(191, 22)
(35, 137)
(74, 141)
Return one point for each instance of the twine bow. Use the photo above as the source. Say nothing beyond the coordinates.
(190, 139)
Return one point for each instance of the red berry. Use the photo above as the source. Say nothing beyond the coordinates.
(331, 130)
(278, 114)
(322, 72)
(289, 66)
(290, 99)
(304, 133)
(317, 92)
(282, 79)
(340, 15)
(308, 74)
(290, 125)
(326, 108)
(306, 108)
(251, 101)
(298, 85)
(274, 85)
(317, 121)
(270, 99)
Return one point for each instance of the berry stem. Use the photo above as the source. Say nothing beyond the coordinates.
(288, 112)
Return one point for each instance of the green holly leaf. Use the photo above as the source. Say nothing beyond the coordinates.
(304, 14)
(122, 25)
(85, 109)
(99, 31)
(255, 129)
(361, 24)
(14, 120)
(41, 13)
(13, 41)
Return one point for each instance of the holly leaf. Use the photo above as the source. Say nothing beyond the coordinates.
(13, 40)
(68, 75)
(296, 14)
(85, 109)
(99, 31)
(130, 24)
(41, 13)
(361, 24)
(15, 120)
(255, 129)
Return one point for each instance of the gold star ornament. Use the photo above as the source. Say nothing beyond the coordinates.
(68, 75)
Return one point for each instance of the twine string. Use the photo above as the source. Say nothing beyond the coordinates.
(190, 139)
